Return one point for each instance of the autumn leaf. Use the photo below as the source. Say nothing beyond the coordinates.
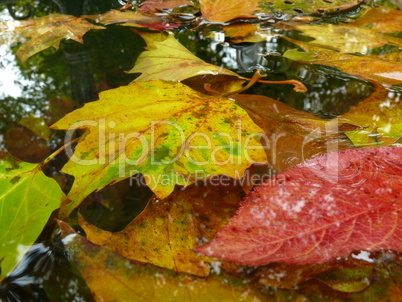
(226, 10)
(166, 131)
(324, 208)
(48, 31)
(113, 278)
(381, 19)
(155, 5)
(250, 34)
(345, 38)
(133, 19)
(366, 67)
(166, 59)
(379, 117)
(165, 233)
(27, 199)
(291, 136)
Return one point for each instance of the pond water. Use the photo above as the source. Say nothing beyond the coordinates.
(53, 83)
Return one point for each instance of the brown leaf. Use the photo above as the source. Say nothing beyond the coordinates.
(292, 136)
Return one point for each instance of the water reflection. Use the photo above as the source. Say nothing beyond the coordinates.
(44, 274)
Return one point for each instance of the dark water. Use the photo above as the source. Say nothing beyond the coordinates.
(76, 74)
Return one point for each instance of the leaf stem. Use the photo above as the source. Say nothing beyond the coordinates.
(298, 86)
(257, 75)
(58, 151)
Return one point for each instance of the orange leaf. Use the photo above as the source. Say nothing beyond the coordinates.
(226, 10)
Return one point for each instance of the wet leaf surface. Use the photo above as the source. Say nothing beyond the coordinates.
(322, 209)
(112, 277)
(344, 38)
(291, 136)
(381, 19)
(178, 122)
(379, 117)
(27, 200)
(226, 10)
(165, 233)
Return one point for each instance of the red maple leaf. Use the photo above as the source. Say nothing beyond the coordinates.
(324, 208)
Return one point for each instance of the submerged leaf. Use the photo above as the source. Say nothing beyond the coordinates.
(48, 31)
(27, 198)
(37, 125)
(379, 117)
(165, 233)
(324, 208)
(113, 278)
(166, 131)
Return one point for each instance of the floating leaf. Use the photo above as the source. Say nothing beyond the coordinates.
(310, 7)
(27, 199)
(324, 208)
(166, 59)
(113, 278)
(226, 10)
(37, 125)
(291, 136)
(372, 68)
(48, 31)
(166, 131)
(379, 117)
(165, 233)
(284, 275)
